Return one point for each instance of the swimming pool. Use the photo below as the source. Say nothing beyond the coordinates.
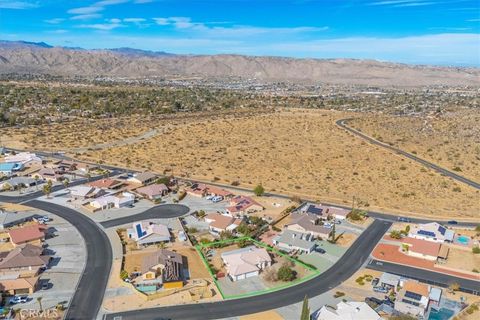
(463, 239)
(441, 314)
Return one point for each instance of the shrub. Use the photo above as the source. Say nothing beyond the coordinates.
(457, 189)
(235, 183)
(339, 294)
(259, 190)
(396, 234)
(458, 169)
(476, 250)
(286, 273)
(123, 274)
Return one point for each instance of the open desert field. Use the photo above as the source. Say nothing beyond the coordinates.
(451, 140)
(298, 152)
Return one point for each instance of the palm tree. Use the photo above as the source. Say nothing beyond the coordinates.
(47, 188)
(39, 300)
(36, 178)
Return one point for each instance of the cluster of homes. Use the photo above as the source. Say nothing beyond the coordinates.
(119, 192)
(23, 257)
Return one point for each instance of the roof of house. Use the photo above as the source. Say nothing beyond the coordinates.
(19, 283)
(25, 256)
(433, 230)
(22, 157)
(144, 229)
(422, 246)
(152, 190)
(241, 203)
(347, 311)
(443, 252)
(308, 222)
(106, 183)
(145, 176)
(221, 221)
(389, 278)
(15, 181)
(328, 210)
(435, 294)
(159, 257)
(8, 217)
(29, 233)
(219, 191)
(296, 239)
(245, 260)
(416, 287)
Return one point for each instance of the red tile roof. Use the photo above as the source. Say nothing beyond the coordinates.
(26, 234)
(424, 247)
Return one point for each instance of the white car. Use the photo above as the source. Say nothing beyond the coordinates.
(210, 197)
(217, 199)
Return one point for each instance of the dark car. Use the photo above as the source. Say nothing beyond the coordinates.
(452, 222)
(320, 250)
(388, 303)
(373, 301)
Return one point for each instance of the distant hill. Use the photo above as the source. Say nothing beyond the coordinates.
(40, 58)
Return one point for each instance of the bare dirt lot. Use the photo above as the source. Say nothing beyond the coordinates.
(302, 153)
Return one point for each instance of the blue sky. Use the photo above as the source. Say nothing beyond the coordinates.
(411, 31)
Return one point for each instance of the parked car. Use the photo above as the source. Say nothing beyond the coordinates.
(338, 222)
(19, 299)
(320, 250)
(452, 222)
(388, 303)
(403, 219)
(328, 225)
(217, 199)
(45, 286)
(373, 300)
(210, 197)
(380, 289)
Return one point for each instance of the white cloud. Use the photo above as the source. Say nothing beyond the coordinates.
(85, 10)
(402, 3)
(109, 25)
(54, 20)
(59, 31)
(162, 21)
(17, 5)
(142, 1)
(134, 20)
(86, 16)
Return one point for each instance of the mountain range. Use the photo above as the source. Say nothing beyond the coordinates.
(23, 57)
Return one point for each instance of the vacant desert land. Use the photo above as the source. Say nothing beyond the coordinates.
(451, 140)
(297, 152)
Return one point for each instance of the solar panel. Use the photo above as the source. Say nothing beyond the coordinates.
(140, 232)
(427, 233)
(411, 302)
(442, 230)
(413, 295)
(315, 210)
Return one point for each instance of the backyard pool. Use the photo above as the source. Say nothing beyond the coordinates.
(441, 314)
(463, 239)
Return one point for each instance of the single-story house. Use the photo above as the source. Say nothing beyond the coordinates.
(418, 248)
(219, 222)
(86, 192)
(160, 268)
(25, 158)
(413, 298)
(335, 212)
(111, 184)
(389, 280)
(13, 183)
(49, 174)
(65, 166)
(25, 260)
(350, 310)
(13, 285)
(246, 262)
(144, 178)
(86, 167)
(291, 240)
(153, 191)
(308, 223)
(146, 233)
(243, 205)
(198, 190)
(432, 231)
(33, 234)
(216, 191)
(8, 168)
(9, 219)
(119, 200)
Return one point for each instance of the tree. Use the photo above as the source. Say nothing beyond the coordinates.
(36, 178)
(476, 250)
(20, 187)
(66, 182)
(286, 273)
(305, 310)
(47, 188)
(224, 235)
(454, 287)
(163, 180)
(259, 190)
(395, 234)
(39, 300)
(123, 274)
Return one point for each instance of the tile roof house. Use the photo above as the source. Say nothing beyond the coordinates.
(33, 234)
(144, 178)
(413, 298)
(85, 192)
(243, 205)
(26, 259)
(420, 248)
(161, 268)
(197, 190)
(347, 311)
(146, 233)
(219, 222)
(308, 223)
(153, 191)
(9, 219)
(291, 240)
(337, 213)
(246, 262)
(433, 231)
(14, 285)
(108, 201)
(107, 184)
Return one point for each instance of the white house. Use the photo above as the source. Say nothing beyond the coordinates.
(246, 262)
(145, 233)
(119, 200)
(347, 311)
(25, 158)
(291, 240)
(432, 231)
(218, 223)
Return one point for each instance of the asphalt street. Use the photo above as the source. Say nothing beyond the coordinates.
(342, 123)
(343, 269)
(430, 277)
(90, 290)
(164, 211)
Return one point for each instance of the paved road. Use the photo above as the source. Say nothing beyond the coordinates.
(164, 211)
(343, 269)
(342, 123)
(90, 290)
(430, 277)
